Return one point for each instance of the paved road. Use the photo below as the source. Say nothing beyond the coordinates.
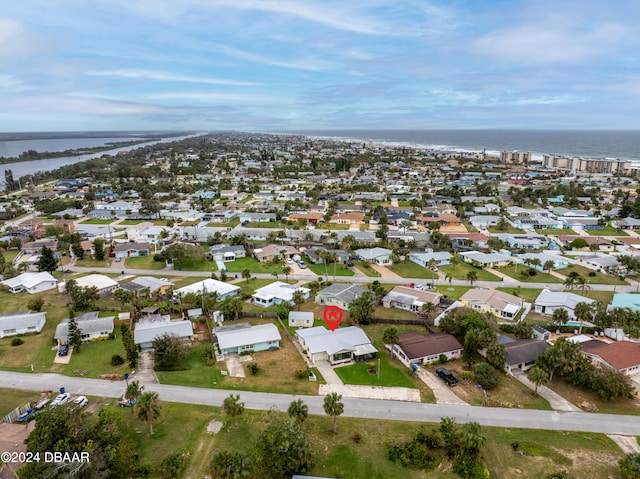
(362, 408)
(510, 283)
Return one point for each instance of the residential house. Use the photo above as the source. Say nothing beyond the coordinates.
(35, 247)
(484, 221)
(131, 250)
(524, 241)
(271, 251)
(31, 283)
(301, 319)
(21, 322)
(222, 252)
(441, 258)
(310, 218)
(258, 218)
(153, 326)
(148, 282)
(379, 256)
(548, 301)
(626, 300)
(409, 299)
(559, 262)
(351, 218)
(90, 326)
(603, 244)
(314, 254)
(223, 290)
(500, 304)
(599, 263)
(344, 345)
(462, 241)
(522, 353)
(486, 260)
(276, 293)
(414, 348)
(103, 284)
(340, 295)
(244, 338)
(623, 356)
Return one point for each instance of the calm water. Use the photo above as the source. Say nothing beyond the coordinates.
(11, 149)
(587, 144)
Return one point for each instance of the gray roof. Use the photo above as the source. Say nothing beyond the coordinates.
(21, 319)
(142, 282)
(351, 338)
(373, 253)
(343, 292)
(88, 323)
(524, 351)
(233, 338)
(151, 327)
(558, 299)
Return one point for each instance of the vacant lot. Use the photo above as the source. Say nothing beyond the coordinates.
(520, 273)
(597, 278)
(409, 269)
(461, 270)
(254, 266)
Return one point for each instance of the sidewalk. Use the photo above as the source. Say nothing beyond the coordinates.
(557, 402)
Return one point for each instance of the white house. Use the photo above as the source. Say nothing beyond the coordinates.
(409, 299)
(276, 293)
(341, 346)
(224, 290)
(441, 258)
(243, 338)
(301, 319)
(90, 326)
(102, 283)
(377, 255)
(153, 326)
(22, 322)
(31, 283)
(548, 301)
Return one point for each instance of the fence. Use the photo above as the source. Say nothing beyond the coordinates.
(266, 314)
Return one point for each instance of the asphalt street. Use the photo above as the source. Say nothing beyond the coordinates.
(362, 408)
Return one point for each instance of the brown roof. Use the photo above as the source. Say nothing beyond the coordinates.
(415, 345)
(353, 215)
(471, 236)
(619, 355)
(599, 240)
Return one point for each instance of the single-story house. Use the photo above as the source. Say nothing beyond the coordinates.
(276, 293)
(148, 282)
(522, 353)
(224, 290)
(102, 283)
(271, 251)
(500, 304)
(153, 326)
(558, 261)
(90, 326)
(223, 252)
(301, 319)
(409, 299)
(344, 345)
(548, 301)
(21, 322)
(441, 258)
(349, 218)
(626, 300)
(131, 250)
(31, 283)
(414, 348)
(599, 262)
(340, 295)
(377, 255)
(623, 356)
(486, 260)
(484, 221)
(244, 338)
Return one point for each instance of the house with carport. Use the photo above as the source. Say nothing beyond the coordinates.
(342, 346)
(276, 293)
(409, 299)
(415, 348)
(340, 295)
(153, 326)
(548, 301)
(498, 303)
(244, 338)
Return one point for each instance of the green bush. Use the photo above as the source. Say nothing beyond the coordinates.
(173, 465)
(117, 360)
(16, 342)
(486, 376)
(253, 368)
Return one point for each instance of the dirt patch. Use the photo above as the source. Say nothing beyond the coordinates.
(371, 392)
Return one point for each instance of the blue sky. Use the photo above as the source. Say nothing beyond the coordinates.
(275, 65)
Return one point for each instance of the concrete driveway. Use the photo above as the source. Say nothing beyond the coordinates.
(145, 372)
(328, 373)
(557, 402)
(234, 366)
(442, 392)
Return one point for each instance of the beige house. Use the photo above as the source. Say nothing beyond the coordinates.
(500, 304)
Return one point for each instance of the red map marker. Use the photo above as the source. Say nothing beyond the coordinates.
(332, 315)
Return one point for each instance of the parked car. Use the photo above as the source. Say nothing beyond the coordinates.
(41, 404)
(63, 350)
(289, 261)
(349, 263)
(60, 400)
(302, 265)
(124, 402)
(26, 416)
(446, 376)
(80, 402)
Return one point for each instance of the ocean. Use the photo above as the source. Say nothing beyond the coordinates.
(584, 143)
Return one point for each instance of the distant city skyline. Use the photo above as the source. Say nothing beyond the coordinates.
(281, 65)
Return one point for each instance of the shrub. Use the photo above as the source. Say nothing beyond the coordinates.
(117, 360)
(486, 376)
(442, 359)
(356, 437)
(35, 304)
(253, 368)
(16, 342)
(302, 373)
(173, 465)
(592, 273)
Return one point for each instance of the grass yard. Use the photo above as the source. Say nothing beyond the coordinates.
(557, 231)
(340, 270)
(143, 262)
(528, 294)
(589, 400)
(10, 255)
(95, 358)
(452, 292)
(539, 277)
(607, 231)
(461, 269)
(89, 262)
(599, 278)
(253, 265)
(605, 297)
(366, 269)
(508, 230)
(389, 375)
(131, 222)
(332, 226)
(249, 287)
(264, 224)
(409, 269)
(97, 221)
(198, 265)
(11, 399)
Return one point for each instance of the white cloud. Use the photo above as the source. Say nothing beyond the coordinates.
(311, 64)
(162, 76)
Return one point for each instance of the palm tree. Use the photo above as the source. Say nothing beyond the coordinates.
(538, 376)
(560, 316)
(233, 407)
(583, 312)
(496, 354)
(455, 260)
(298, 410)
(246, 274)
(286, 270)
(298, 298)
(448, 277)
(472, 277)
(147, 408)
(548, 265)
(134, 391)
(333, 406)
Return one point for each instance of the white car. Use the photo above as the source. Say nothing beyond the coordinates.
(60, 400)
(289, 261)
(80, 401)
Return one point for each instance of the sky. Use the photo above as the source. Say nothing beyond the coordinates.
(284, 65)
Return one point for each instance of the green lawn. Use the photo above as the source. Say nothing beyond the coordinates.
(539, 277)
(197, 265)
(249, 287)
(253, 265)
(265, 224)
(366, 269)
(389, 375)
(528, 294)
(409, 269)
(143, 262)
(461, 269)
(340, 270)
(452, 292)
(131, 222)
(509, 230)
(229, 224)
(557, 231)
(607, 231)
(98, 221)
(599, 278)
(89, 262)
(332, 226)
(95, 358)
